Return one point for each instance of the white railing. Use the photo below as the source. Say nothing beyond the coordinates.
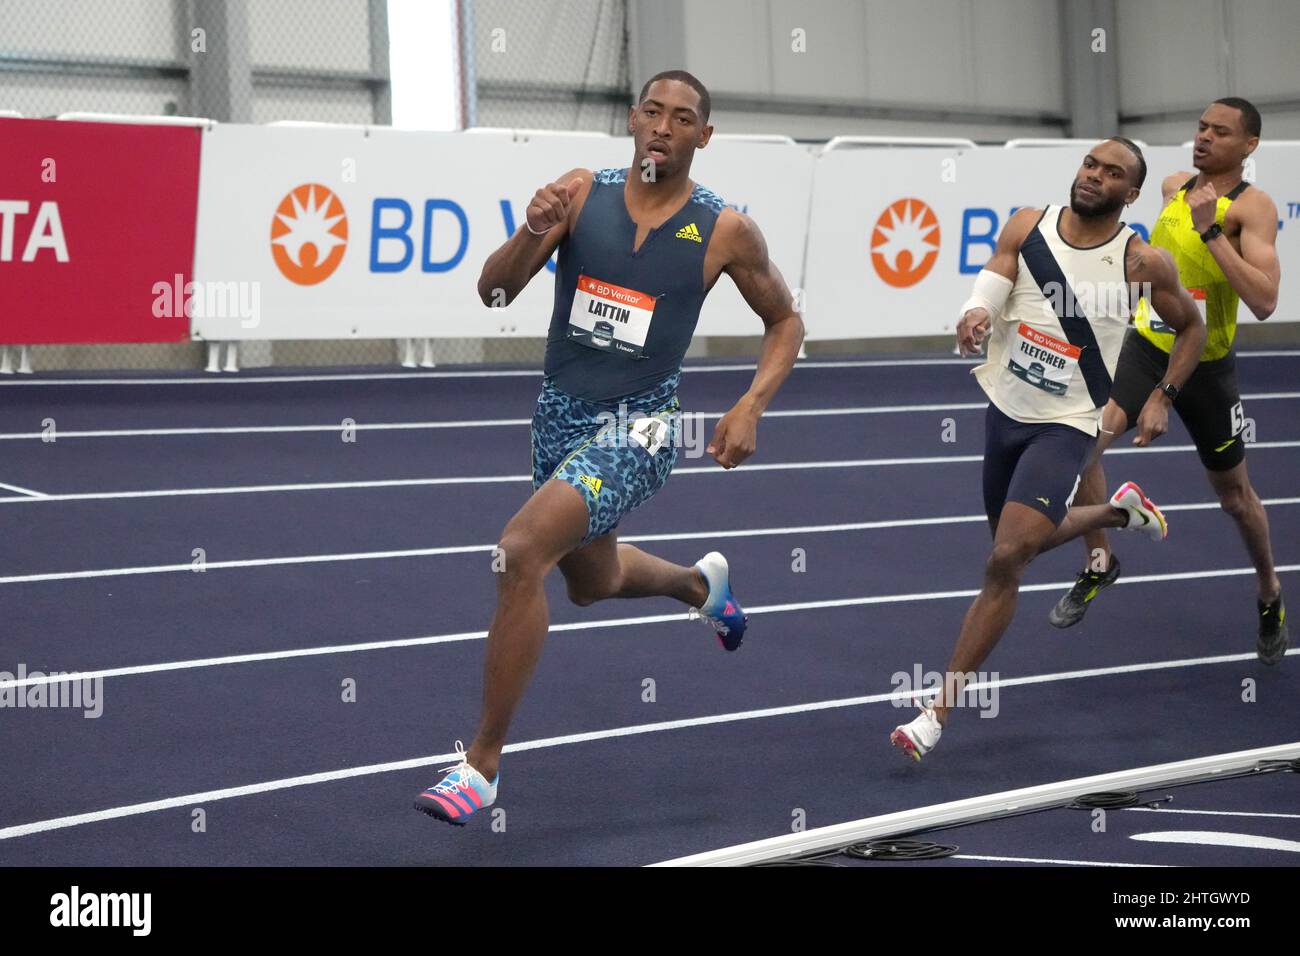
(521, 133)
(948, 142)
(317, 124)
(756, 138)
(138, 118)
(1032, 142)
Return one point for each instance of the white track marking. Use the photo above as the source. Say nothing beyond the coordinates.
(343, 556)
(527, 372)
(136, 669)
(1213, 813)
(58, 823)
(1035, 859)
(267, 489)
(944, 459)
(510, 479)
(507, 422)
(209, 379)
(466, 423)
(990, 806)
(266, 429)
(499, 373)
(1244, 841)
(22, 491)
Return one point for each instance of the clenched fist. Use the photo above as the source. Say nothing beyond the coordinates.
(550, 206)
(1204, 203)
(972, 328)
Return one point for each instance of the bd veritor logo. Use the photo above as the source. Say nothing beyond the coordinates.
(905, 243)
(309, 234)
(75, 908)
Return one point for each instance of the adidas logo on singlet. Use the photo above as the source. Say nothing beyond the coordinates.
(690, 232)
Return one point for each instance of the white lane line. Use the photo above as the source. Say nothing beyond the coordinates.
(509, 479)
(264, 429)
(22, 491)
(466, 423)
(192, 664)
(1198, 838)
(940, 459)
(1049, 862)
(39, 826)
(520, 373)
(266, 489)
(343, 556)
(1213, 813)
(506, 422)
(469, 373)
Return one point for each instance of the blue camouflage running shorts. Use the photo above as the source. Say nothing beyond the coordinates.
(616, 454)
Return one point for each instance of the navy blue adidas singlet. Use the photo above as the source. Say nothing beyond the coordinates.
(622, 320)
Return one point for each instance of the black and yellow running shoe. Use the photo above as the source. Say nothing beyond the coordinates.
(1071, 608)
(1272, 641)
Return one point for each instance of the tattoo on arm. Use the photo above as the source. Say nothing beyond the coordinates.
(756, 276)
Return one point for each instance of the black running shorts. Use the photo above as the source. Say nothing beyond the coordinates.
(1037, 465)
(1209, 403)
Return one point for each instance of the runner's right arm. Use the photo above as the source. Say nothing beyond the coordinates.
(1154, 268)
(1003, 266)
(551, 213)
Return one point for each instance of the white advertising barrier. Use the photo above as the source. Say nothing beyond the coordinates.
(772, 184)
(897, 236)
(375, 233)
(421, 212)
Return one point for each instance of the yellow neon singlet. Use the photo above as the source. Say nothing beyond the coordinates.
(1199, 274)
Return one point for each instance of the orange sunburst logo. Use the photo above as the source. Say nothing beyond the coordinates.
(905, 242)
(309, 234)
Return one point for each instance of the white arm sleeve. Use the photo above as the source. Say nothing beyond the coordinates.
(990, 292)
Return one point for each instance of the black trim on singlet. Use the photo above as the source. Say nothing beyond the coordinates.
(1074, 323)
(1236, 190)
(1109, 239)
(1127, 283)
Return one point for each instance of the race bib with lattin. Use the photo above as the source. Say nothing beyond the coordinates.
(610, 318)
(1043, 361)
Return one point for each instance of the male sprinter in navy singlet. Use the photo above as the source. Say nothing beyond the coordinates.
(639, 250)
(1059, 291)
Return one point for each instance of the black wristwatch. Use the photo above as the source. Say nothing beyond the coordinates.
(1208, 234)
(1170, 390)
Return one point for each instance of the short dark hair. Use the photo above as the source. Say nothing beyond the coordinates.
(1249, 115)
(682, 77)
(1136, 150)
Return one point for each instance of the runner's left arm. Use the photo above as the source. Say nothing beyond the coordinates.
(1254, 273)
(764, 288)
(1155, 269)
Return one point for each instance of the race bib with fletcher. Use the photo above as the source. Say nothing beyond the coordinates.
(609, 317)
(1043, 361)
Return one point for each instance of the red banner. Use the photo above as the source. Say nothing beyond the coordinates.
(94, 217)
